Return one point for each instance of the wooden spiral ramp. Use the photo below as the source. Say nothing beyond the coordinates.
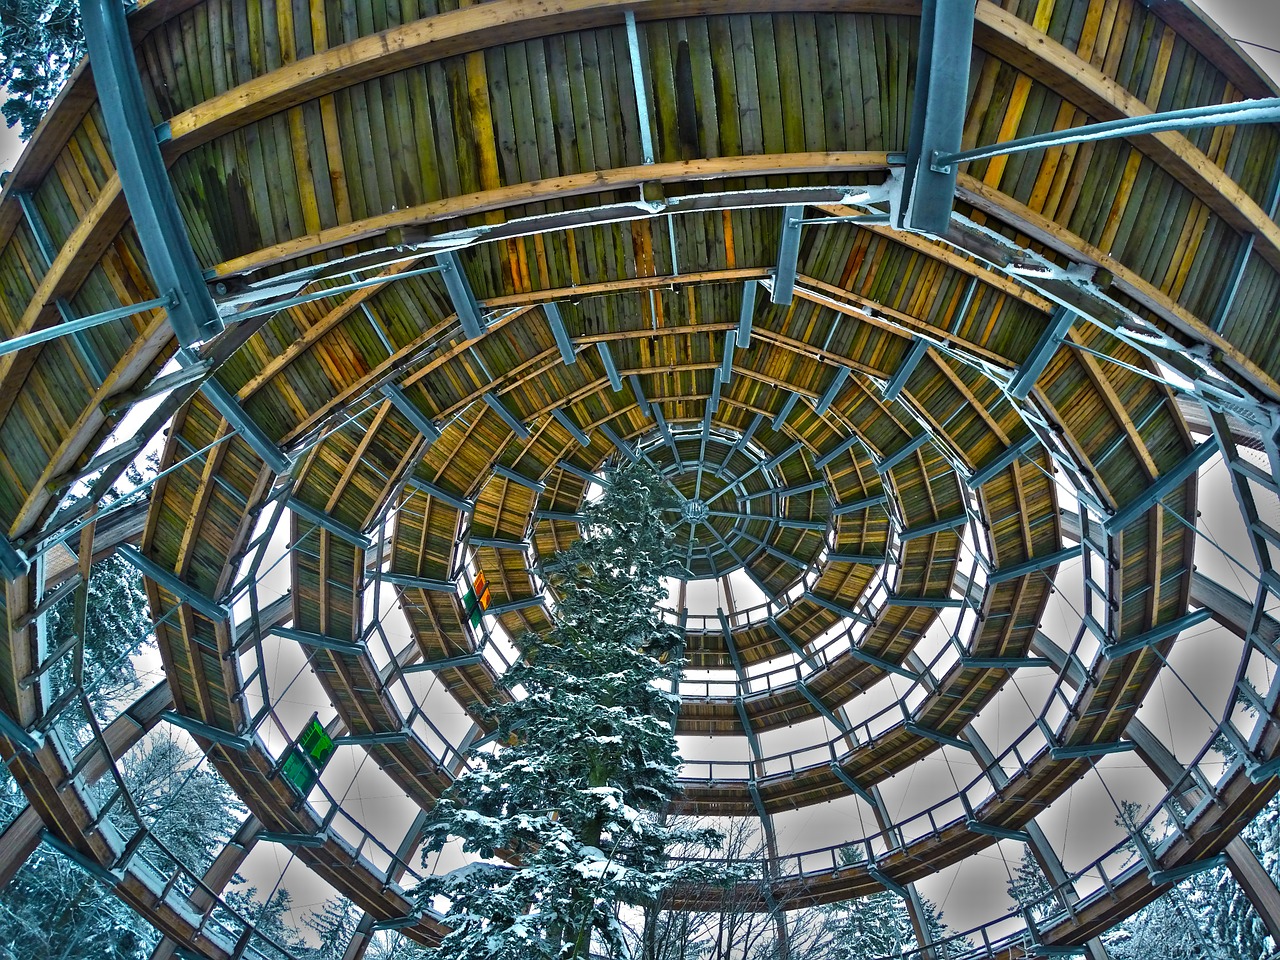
(446, 260)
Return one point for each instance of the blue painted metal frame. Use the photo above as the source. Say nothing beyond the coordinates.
(895, 458)
(784, 276)
(1265, 110)
(1002, 574)
(222, 400)
(1024, 380)
(417, 583)
(446, 663)
(226, 738)
(509, 418)
(323, 520)
(936, 736)
(905, 369)
(465, 304)
(440, 493)
(937, 114)
(560, 332)
(1162, 487)
(572, 468)
(637, 391)
(172, 583)
(726, 364)
(855, 505)
(1156, 634)
(421, 422)
(1005, 458)
(143, 175)
(852, 784)
(537, 486)
(787, 407)
(747, 315)
(842, 447)
(833, 390)
(575, 431)
(610, 368)
(319, 640)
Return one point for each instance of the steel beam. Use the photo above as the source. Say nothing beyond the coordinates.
(895, 458)
(800, 489)
(509, 418)
(441, 494)
(844, 445)
(747, 314)
(421, 422)
(935, 735)
(498, 543)
(144, 179)
(622, 446)
(226, 738)
(1156, 634)
(1003, 663)
(886, 665)
(1084, 750)
(834, 607)
(1162, 487)
(226, 404)
(992, 830)
(905, 369)
(785, 412)
(321, 519)
(637, 81)
(465, 304)
(937, 115)
(292, 839)
(874, 559)
(852, 784)
(930, 603)
(511, 606)
(1001, 461)
(519, 478)
(171, 582)
(833, 390)
(320, 641)
(586, 476)
(13, 563)
(558, 330)
(1033, 565)
(1264, 110)
(610, 368)
(447, 663)
(372, 739)
(784, 276)
(855, 505)
(575, 431)
(1029, 371)
(935, 526)
(417, 583)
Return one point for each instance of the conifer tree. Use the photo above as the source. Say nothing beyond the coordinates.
(586, 757)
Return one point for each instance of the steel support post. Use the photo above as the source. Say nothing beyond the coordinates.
(937, 115)
(1048, 859)
(1241, 860)
(143, 175)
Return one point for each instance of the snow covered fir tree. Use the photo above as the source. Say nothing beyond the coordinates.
(585, 758)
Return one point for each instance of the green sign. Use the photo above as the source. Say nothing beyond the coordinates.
(307, 757)
(316, 743)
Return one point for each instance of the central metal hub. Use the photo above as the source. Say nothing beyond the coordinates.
(694, 511)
